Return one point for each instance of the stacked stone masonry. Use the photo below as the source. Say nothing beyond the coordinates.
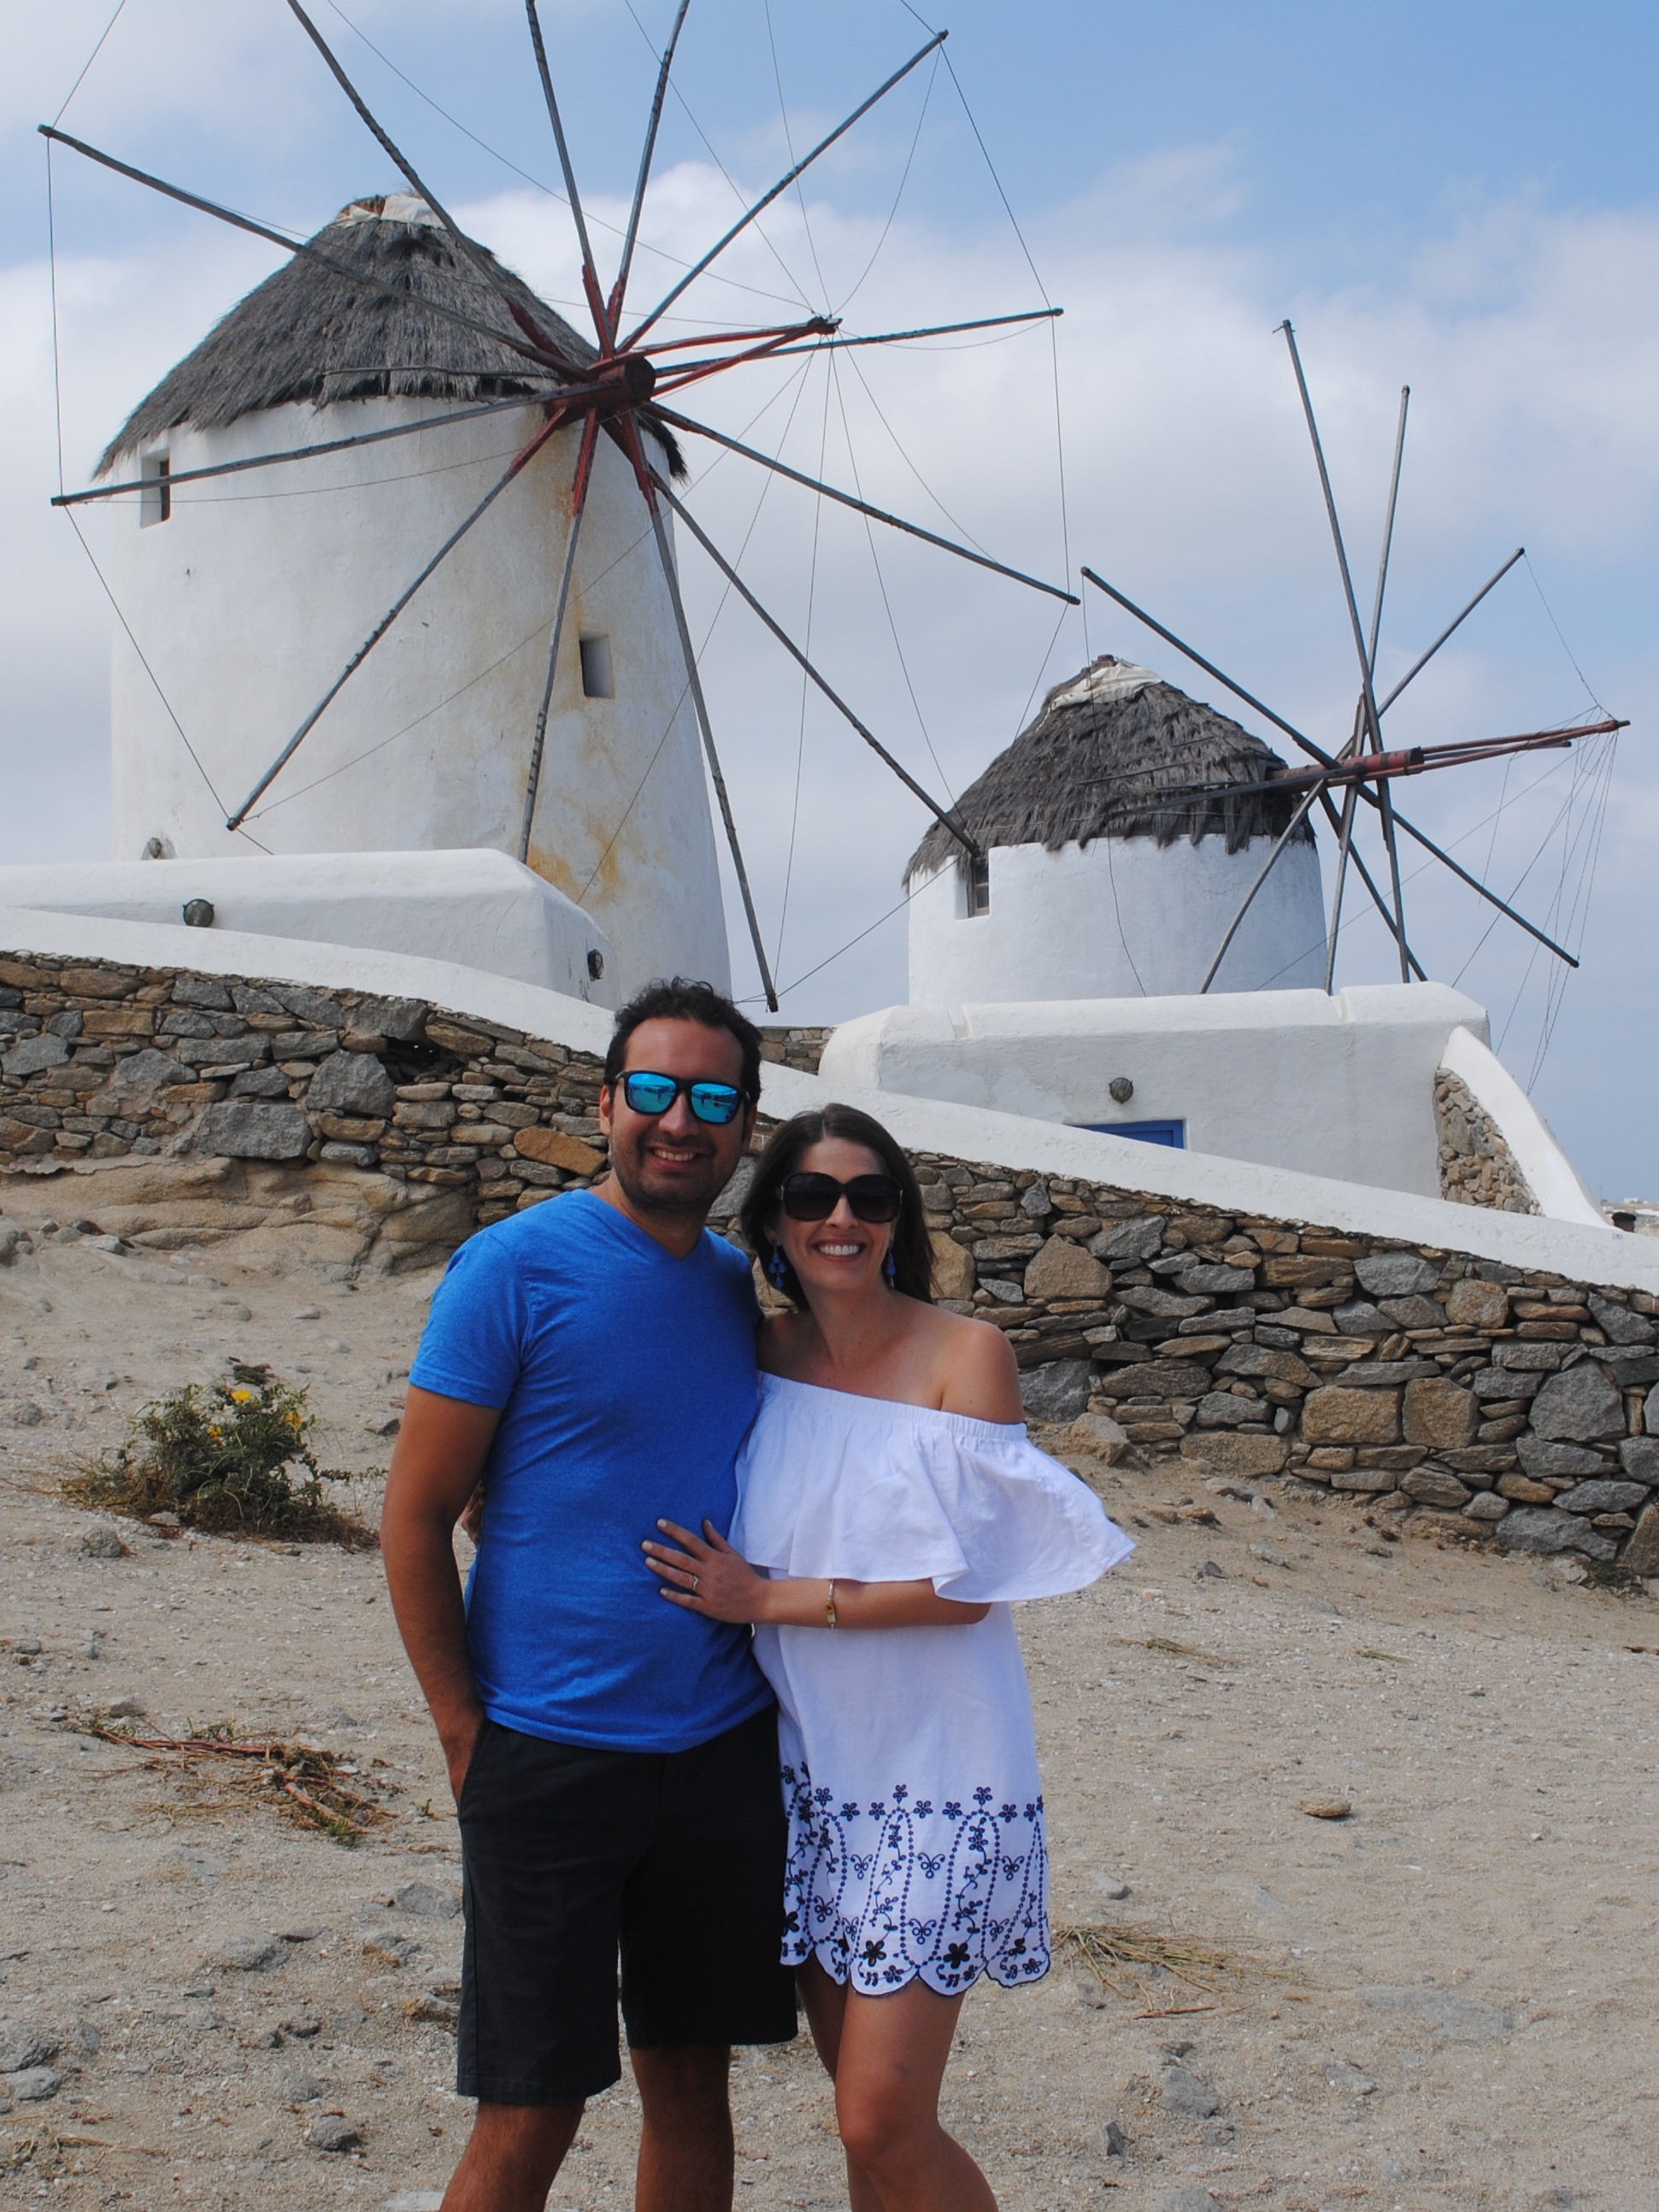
(101, 1061)
(1477, 1168)
(799, 1049)
(1512, 1405)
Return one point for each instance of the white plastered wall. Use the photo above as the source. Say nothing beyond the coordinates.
(250, 600)
(1120, 917)
(478, 908)
(1339, 1086)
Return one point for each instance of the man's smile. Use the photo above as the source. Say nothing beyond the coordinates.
(673, 1155)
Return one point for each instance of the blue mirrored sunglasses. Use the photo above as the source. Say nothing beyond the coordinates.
(649, 1093)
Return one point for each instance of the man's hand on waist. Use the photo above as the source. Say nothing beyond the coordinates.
(460, 1740)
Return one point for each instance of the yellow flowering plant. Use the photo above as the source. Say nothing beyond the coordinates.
(230, 1456)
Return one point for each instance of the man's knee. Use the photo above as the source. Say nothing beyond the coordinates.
(527, 2139)
(684, 2084)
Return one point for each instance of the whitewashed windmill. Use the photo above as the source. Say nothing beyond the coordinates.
(248, 604)
(1118, 831)
(461, 653)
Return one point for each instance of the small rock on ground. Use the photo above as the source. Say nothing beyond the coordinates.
(331, 2133)
(22, 2046)
(248, 1955)
(387, 1943)
(1184, 2094)
(426, 1900)
(32, 2085)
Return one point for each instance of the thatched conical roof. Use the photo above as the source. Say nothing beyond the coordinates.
(306, 334)
(1117, 752)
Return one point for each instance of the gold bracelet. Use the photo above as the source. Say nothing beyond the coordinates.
(829, 1604)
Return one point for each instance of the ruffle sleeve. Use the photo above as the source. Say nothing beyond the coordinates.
(829, 1483)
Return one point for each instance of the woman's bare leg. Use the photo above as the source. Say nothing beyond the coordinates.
(826, 2003)
(887, 2057)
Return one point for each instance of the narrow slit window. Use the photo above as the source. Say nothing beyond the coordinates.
(155, 499)
(978, 899)
(597, 681)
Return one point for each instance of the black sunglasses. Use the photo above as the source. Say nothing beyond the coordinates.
(648, 1093)
(808, 1197)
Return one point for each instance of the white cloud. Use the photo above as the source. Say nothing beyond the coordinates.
(200, 64)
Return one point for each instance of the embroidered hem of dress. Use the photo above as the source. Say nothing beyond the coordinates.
(881, 1909)
(1031, 1968)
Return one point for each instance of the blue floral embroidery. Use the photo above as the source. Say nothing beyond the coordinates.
(879, 1909)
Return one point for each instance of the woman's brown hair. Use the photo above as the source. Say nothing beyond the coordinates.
(913, 1253)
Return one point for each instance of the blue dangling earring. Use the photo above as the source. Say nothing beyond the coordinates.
(775, 1267)
(890, 1267)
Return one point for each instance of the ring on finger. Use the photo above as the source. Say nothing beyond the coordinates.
(695, 1580)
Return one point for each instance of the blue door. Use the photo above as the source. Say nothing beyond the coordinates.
(1173, 1133)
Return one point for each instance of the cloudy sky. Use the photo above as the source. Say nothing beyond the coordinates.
(1461, 196)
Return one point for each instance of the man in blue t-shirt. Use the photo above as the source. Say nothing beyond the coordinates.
(614, 1758)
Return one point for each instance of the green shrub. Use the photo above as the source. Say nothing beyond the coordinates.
(229, 1457)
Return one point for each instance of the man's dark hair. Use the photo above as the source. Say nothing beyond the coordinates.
(912, 1251)
(680, 999)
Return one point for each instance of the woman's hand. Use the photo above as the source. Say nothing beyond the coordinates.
(707, 1575)
(471, 1521)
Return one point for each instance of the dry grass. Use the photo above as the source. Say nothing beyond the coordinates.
(1127, 1960)
(313, 1786)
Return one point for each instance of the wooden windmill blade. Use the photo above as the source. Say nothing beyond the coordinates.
(1350, 798)
(1372, 724)
(1330, 761)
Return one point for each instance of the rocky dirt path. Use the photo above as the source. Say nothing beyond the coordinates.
(1445, 1999)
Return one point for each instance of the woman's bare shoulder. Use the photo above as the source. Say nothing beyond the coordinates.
(977, 1371)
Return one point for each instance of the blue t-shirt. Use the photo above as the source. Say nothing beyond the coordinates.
(627, 1382)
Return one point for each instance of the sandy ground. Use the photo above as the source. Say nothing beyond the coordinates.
(1445, 1999)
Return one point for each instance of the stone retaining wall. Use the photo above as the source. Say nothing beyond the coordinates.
(1523, 1404)
(104, 1061)
(799, 1048)
(1515, 1405)
(1477, 1167)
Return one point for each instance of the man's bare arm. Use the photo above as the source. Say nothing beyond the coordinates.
(440, 1456)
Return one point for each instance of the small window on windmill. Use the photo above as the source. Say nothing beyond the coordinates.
(978, 888)
(598, 682)
(155, 499)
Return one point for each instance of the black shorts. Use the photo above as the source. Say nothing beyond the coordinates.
(571, 1855)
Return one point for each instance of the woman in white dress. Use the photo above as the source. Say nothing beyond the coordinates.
(891, 1507)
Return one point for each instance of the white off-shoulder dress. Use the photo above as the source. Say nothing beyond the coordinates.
(909, 1761)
